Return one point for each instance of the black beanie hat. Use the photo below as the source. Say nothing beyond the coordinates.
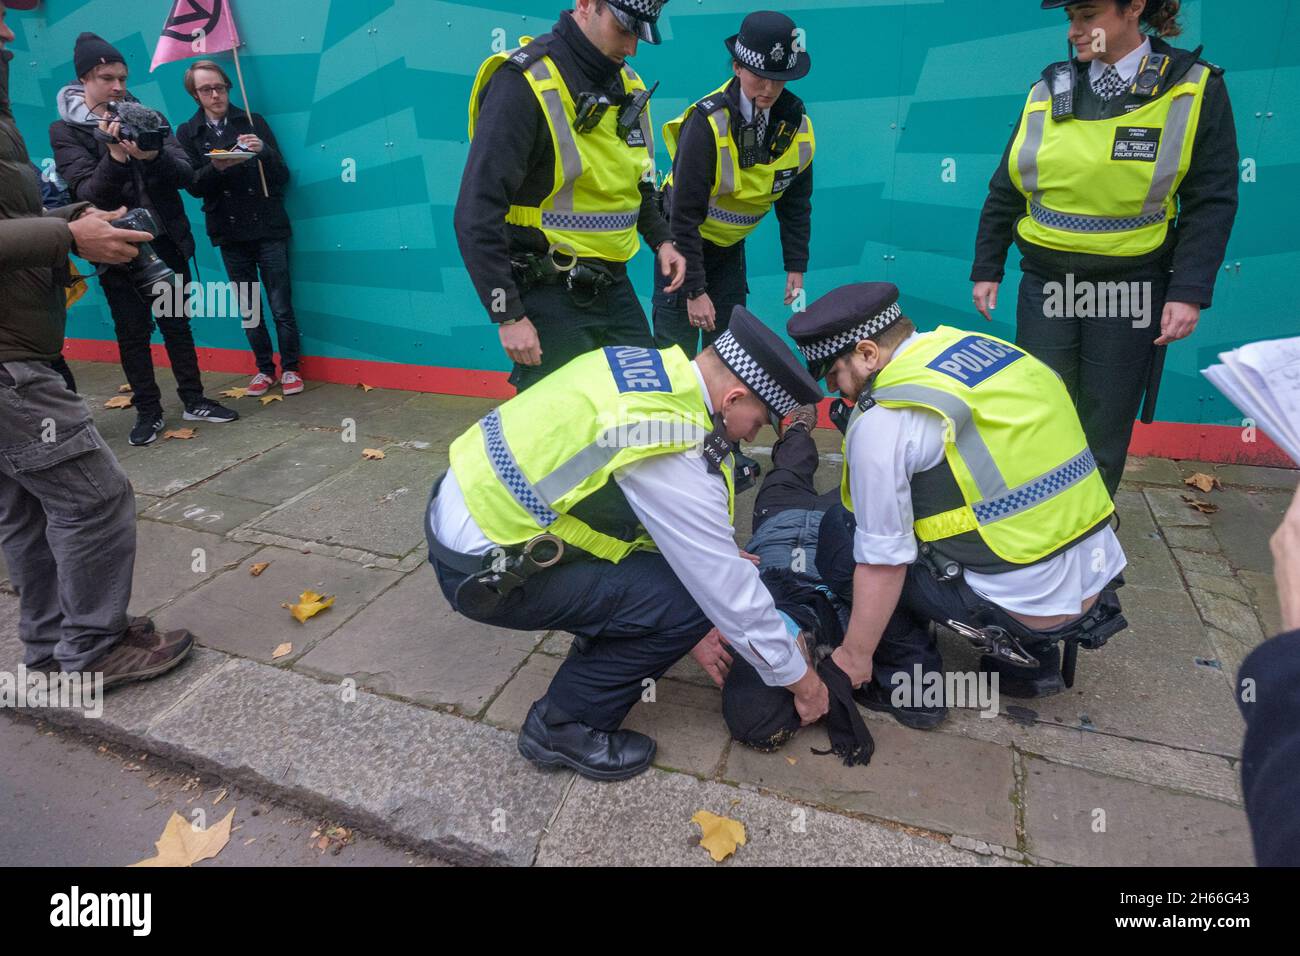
(91, 51)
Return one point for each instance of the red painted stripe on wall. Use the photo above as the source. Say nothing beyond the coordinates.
(1181, 440)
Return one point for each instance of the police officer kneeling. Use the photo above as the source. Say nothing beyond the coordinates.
(970, 448)
(528, 531)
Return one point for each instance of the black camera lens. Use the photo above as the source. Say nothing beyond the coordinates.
(147, 269)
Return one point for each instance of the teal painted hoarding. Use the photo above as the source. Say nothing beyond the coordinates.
(900, 91)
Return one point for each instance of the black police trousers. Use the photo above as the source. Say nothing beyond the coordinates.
(724, 268)
(571, 324)
(1104, 359)
(637, 618)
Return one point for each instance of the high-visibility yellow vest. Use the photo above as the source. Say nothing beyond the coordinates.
(1018, 483)
(595, 201)
(1106, 186)
(740, 197)
(529, 462)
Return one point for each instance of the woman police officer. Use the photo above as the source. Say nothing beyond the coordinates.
(1120, 188)
(735, 153)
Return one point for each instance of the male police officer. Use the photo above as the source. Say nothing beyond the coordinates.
(527, 530)
(558, 182)
(972, 447)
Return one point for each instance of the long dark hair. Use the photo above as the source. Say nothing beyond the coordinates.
(1160, 16)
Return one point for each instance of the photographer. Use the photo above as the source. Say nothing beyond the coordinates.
(99, 158)
(67, 510)
(251, 229)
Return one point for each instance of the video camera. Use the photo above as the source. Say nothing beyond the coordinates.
(138, 124)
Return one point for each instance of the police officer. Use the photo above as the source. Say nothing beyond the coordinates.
(969, 495)
(1122, 169)
(735, 153)
(600, 503)
(558, 182)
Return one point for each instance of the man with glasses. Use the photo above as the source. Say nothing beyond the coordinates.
(249, 225)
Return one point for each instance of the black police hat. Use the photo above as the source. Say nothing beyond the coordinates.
(639, 16)
(766, 45)
(765, 364)
(1152, 5)
(842, 318)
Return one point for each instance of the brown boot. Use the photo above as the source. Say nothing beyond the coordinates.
(804, 416)
(142, 653)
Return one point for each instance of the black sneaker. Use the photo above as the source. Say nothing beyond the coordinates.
(871, 696)
(206, 410)
(147, 427)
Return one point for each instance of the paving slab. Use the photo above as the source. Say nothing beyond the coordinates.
(910, 779)
(1152, 471)
(166, 564)
(1244, 523)
(1144, 826)
(1243, 476)
(172, 465)
(1149, 561)
(1263, 592)
(424, 417)
(449, 786)
(1171, 511)
(203, 510)
(510, 707)
(241, 614)
(376, 506)
(325, 404)
(646, 821)
(1191, 539)
(288, 470)
(412, 645)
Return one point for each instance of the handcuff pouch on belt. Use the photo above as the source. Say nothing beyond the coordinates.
(479, 595)
(585, 279)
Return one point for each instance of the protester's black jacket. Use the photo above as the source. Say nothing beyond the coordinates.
(512, 160)
(1207, 200)
(694, 166)
(93, 176)
(1268, 693)
(233, 203)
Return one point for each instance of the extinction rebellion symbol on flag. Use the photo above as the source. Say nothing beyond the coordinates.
(203, 15)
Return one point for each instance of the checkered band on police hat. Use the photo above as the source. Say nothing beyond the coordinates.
(750, 58)
(754, 375)
(644, 9)
(833, 345)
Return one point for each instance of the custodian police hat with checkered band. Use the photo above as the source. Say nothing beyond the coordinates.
(842, 318)
(769, 44)
(639, 16)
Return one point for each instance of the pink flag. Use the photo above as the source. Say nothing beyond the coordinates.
(196, 28)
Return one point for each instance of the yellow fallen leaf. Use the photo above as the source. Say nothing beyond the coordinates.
(179, 433)
(234, 393)
(124, 388)
(120, 401)
(792, 760)
(283, 649)
(364, 387)
(221, 796)
(1205, 483)
(258, 568)
(268, 399)
(372, 454)
(719, 835)
(309, 605)
(1204, 507)
(182, 845)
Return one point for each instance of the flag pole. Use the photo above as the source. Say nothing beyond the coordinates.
(239, 72)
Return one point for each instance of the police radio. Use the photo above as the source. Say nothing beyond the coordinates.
(1063, 90)
(1150, 74)
(748, 145)
(634, 104)
(589, 111)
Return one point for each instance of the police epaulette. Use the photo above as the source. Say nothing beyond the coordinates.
(866, 403)
(526, 56)
(711, 103)
(1215, 69)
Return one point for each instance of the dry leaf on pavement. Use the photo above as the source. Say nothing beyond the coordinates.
(179, 433)
(1205, 483)
(372, 454)
(268, 399)
(1204, 507)
(182, 845)
(309, 605)
(123, 389)
(257, 569)
(119, 401)
(364, 387)
(719, 835)
(282, 649)
(234, 393)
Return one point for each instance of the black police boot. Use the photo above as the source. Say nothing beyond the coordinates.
(871, 696)
(1024, 683)
(592, 753)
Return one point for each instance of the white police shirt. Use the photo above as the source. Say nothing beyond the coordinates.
(1126, 67)
(684, 508)
(747, 108)
(886, 447)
